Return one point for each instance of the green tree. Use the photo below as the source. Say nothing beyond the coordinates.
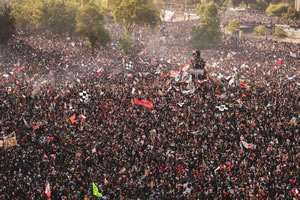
(260, 5)
(90, 24)
(234, 3)
(233, 26)
(279, 32)
(132, 13)
(126, 45)
(208, 33)
(248, 2)
(7, 25)
(260, 30)
(23, 11)
(290, 14)
(56, 16)
(277, 9)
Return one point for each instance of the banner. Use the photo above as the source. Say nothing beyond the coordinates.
(144, 103)
(8, 141)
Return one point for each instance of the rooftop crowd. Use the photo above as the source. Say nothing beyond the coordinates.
(186, 147)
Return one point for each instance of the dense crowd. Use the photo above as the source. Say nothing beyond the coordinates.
(245, 17)
(229, 137)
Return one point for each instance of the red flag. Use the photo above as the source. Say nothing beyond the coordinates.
(48, 190)
(144, 103)
(50, 139)
(243, 95)
(35, 127)
(21, 68)
(129, 76)
(279, 62)
(72, 118)
(45, 156)
(53, 156)
(99, 72)
(252, 123)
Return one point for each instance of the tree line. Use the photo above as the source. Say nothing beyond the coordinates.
(86, 18)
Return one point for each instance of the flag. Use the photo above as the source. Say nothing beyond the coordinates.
(82, 117)
(278, 62)
(95, 191)
(68, 38)
(153, 61)
(129, 76)
(21, 68)
(228, 165)
(160, 93)
(99, 72)
(48, 190)
(144, 103)
(185, 67)
(244, 163)
(133, 91)
(295, 191)
(201, 81)
(243, 95)
(53, 156)
(56, 97)
(248, 145)
(203, 163)
(45, 156)
(180, 104)
(50, 139)
(72, 118)
(276, 141)
(252, 124)
(294, 55)
(293, 120)
(220, 167)
(35, 127)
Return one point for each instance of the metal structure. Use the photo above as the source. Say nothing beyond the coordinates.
(297, 5)
(198, 66)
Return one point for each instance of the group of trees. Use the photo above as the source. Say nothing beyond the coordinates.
(85, 18)
(208, 33)
(7, 25)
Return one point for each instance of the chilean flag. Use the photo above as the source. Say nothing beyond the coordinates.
(295, 191)
(220, 167)
(48, 190)
(99, 72)
(82, 117)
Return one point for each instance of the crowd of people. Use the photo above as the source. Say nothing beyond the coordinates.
(139, 133)
(246, 17)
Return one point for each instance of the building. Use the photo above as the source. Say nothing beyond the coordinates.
(297, 5)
